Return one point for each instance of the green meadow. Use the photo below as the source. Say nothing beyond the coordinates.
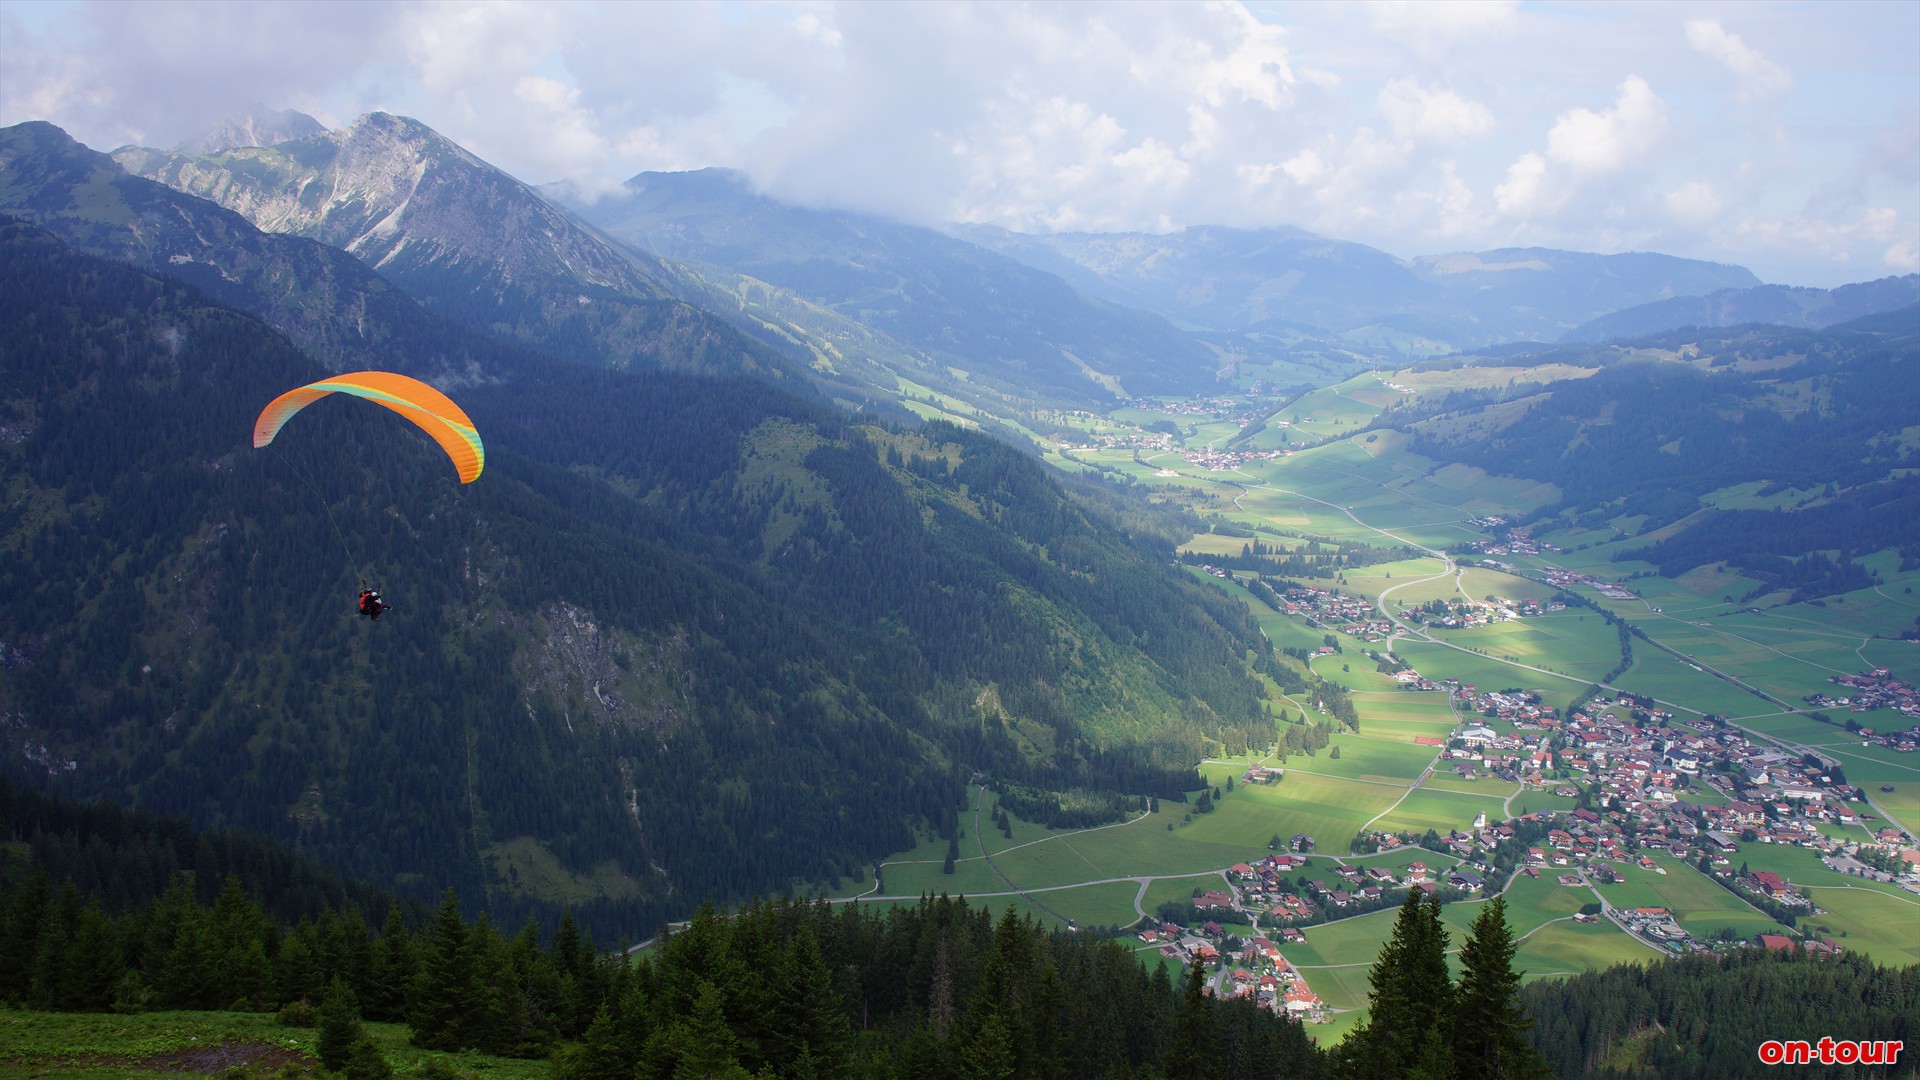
(1863, 918)
(1443, 811)
(1568, 948)
(1575, 643)
(106, 1046)
(1703, 907)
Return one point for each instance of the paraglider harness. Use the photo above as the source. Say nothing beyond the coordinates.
(371, 605)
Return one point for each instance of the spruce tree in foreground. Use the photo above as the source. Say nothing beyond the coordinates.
(1412, 992)
(1488, 1024)
(339, 1027)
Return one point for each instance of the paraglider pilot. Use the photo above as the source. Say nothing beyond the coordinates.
(371, 605)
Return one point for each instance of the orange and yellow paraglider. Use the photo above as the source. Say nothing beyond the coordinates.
(436, 413)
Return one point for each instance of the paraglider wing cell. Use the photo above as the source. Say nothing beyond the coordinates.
(433, 411)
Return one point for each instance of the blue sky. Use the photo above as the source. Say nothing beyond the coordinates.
(1781, 136)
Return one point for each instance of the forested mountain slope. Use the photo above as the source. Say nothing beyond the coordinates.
(684, 638)
(1662, 427)
(1776, 305)
(1706, 1016)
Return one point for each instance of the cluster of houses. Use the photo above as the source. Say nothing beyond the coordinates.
(1511, 542)
(1567, 579)
(1873, 689)
(1645, 773)
(1254, 967)
(1463, 614)
(1242, 412)
(1229, 460)
(1333, 609)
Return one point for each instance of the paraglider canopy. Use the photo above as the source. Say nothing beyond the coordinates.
(436, 413)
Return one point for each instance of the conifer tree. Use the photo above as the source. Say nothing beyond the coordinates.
(1412, 993)
(1488, 1024)
(1190, 1053)
(703, 1042)
(19, 940)
(444, 997)
(367, 1063)
(390, 970)
(989, 1055)
(339, 1028)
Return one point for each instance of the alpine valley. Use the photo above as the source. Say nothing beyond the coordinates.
(1260, 631)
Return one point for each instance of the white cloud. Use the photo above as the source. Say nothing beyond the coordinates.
(1693, 204)
(1305, 167)
(1440, 115)
(1436, 23)
(1625, 134)
(1759, 77)
(1409, 126)
(1524, 194)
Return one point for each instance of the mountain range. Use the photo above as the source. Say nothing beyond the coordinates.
(1772, 305)
(875, 311)
(717, 621)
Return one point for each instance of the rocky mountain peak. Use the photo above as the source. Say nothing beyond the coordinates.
(257, 125)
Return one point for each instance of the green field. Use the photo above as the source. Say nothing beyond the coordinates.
(1442, 660)
(1880, 922)
(105, 1046)
(1567, 948)
(1443, 811)
(1702, 907)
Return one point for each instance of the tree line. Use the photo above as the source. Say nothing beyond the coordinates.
(780, 988)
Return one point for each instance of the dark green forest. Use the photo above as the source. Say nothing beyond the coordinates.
(779, 988)
(1706, 1016)
(694, 637)
(1819, 411)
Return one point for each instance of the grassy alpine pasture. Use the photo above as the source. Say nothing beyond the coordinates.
(1483, 786)
(1570, 948)
(1880, 922)
(1703, 907)
(1575, 643)
(1373, 759)
(1399, 715)
(1332, 411)
(1443, 811)
(1330, 809)
(1352, 670)
(1440, 659)
(109, 1046)
(1665, 677)
(1788, 663)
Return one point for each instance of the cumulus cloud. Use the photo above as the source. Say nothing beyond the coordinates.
(1758, 76)
(1403, 125)
(1525, 192)
(1433, 24)
(1437, 114)
(1693, 204)
(1625, 134)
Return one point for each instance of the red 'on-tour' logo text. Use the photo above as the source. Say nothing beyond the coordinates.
(1830, 1051)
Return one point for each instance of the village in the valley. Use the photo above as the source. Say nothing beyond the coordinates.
(1648, 785)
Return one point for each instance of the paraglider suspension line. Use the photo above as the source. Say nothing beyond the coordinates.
(352, 562)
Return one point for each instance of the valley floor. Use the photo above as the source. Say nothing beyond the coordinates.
(1694, 652)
